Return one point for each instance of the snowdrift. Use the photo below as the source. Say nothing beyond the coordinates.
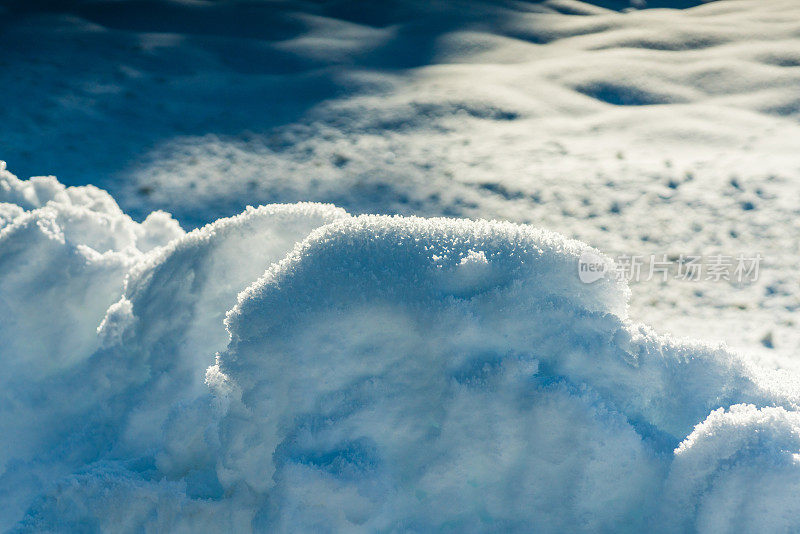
(297, 369)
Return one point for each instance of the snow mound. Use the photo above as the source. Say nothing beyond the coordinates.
(377, 373)
(65, 254)
(108, 325)
(739, 469)
(169, 322)
(440, 374)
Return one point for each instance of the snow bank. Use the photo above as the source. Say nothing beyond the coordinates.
(740, 471)
(377, 373)
(441, 374)
(192, 283)
(108, 324)
(64, 255)
(64, 247)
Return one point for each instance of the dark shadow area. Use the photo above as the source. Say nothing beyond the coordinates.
(91, 86)
(621, 94)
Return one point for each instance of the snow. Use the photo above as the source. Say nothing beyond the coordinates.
(728, 469)
(397, 338)
(296, 368)
(553, 113)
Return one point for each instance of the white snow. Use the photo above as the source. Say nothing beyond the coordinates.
(598, 124)
(377, 373)
(299, 367)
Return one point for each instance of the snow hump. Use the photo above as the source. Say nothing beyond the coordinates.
(296, 369)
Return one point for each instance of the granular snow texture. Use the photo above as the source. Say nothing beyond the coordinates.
(377, 374)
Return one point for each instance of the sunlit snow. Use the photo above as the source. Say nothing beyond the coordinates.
(397, 338)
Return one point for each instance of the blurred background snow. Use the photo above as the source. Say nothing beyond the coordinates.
(637, 129)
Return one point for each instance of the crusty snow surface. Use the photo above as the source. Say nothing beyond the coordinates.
(297, 369)
(315, 363)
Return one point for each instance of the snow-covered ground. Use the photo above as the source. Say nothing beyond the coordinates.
(647, 132)
(397, 373)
